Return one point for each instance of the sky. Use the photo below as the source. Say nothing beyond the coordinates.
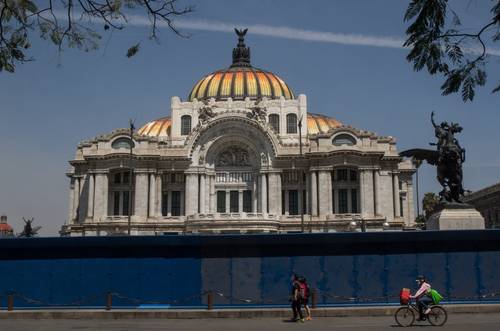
(344, 55)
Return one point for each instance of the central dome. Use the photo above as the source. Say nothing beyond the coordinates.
(240, 80)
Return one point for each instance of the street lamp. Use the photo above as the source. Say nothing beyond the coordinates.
(131, 146)
(301, 178)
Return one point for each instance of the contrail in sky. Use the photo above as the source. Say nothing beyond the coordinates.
(286, 32)
(294, 33)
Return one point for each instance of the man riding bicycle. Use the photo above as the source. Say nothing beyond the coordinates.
(422, 297)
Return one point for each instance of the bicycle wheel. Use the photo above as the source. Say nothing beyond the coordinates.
(404, 316)
(437, 316)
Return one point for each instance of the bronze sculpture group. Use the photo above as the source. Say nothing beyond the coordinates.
(448, 158)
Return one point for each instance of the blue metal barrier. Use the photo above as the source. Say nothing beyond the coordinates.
(248, 270)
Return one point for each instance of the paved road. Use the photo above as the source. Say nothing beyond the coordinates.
(482, 322)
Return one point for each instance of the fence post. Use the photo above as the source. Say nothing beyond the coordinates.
(10, 302)
(210, 300)
(314, 298)
(109, 301)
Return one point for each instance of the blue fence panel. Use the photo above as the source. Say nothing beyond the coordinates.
(276, 275)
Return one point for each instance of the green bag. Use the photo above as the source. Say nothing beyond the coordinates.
(436, 297)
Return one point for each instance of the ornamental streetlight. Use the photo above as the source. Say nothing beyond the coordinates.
(301, 178)
(131, 146)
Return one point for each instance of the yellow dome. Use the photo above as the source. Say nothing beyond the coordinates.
(316, 123)
(156, 128)
(240, 80)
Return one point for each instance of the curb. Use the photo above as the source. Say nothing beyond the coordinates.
(228, 313)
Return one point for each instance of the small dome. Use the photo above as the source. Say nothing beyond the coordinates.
(316, 123)
(240, 80)
(156, 128)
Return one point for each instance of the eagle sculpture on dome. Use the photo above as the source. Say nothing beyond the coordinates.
(241, 53)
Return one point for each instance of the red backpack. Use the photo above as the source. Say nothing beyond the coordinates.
(303, 291)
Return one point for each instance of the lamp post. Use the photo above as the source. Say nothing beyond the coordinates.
(417, 163)
(130, 179)
(301, 178)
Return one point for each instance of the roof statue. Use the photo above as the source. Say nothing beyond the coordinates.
(241, 54)
(448, 158)
(29, 231)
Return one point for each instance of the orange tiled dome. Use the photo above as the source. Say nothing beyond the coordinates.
(316, 123)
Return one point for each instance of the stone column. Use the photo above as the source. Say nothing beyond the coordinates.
(254, 196)
(141, 196)
(191, 198)
(76, 199)
(71, 210)
(213, 197)
(395, 183)
(325, 192)
(101, 196)
(202, 194)
(308, 195)
(274, 194)
(409, 201)
(159, 195)
(152, 195)
(240, 201)
(90, 204)
(366, 193)
(228, 201)
(207, 193)
(263, 193)
(376, 198)
(314, 194)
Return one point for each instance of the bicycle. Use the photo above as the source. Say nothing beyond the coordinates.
(405, 316)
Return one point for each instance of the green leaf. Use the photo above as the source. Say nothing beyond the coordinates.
(133, 50)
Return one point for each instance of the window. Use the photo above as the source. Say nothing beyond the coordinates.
(283, 204)
(353, 175)
(354, 201)
(343, 201)
(304, 202)
(233, 201)
(401, 206)
(293, 202)
(247, 201)
(176, 203)
(344, 139)
(164, 203)
(185, 125)
(122, 142)
(342, 174)
(291, 123)
(274, 121)
(221, 201)
(116, 203)
(121, 203)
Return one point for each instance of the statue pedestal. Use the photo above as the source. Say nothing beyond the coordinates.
(456, 217)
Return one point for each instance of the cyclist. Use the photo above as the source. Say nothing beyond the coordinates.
(422, 297)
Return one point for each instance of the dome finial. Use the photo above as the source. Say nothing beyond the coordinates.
(241, 53)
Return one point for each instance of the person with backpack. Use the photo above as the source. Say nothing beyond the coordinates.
(296, 300)
(304, 294)
(423, 297)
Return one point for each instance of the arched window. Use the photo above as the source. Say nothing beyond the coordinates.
(122, 142)
(274, 121)
(291, 123)
(344, 139)
(185, 125)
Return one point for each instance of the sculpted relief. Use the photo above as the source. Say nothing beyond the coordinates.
(233, 156)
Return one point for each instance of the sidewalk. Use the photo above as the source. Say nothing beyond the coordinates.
(226, 313)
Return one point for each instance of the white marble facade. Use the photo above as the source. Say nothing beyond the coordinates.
(232, 164)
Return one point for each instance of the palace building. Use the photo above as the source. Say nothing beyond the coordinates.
(243, 154)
